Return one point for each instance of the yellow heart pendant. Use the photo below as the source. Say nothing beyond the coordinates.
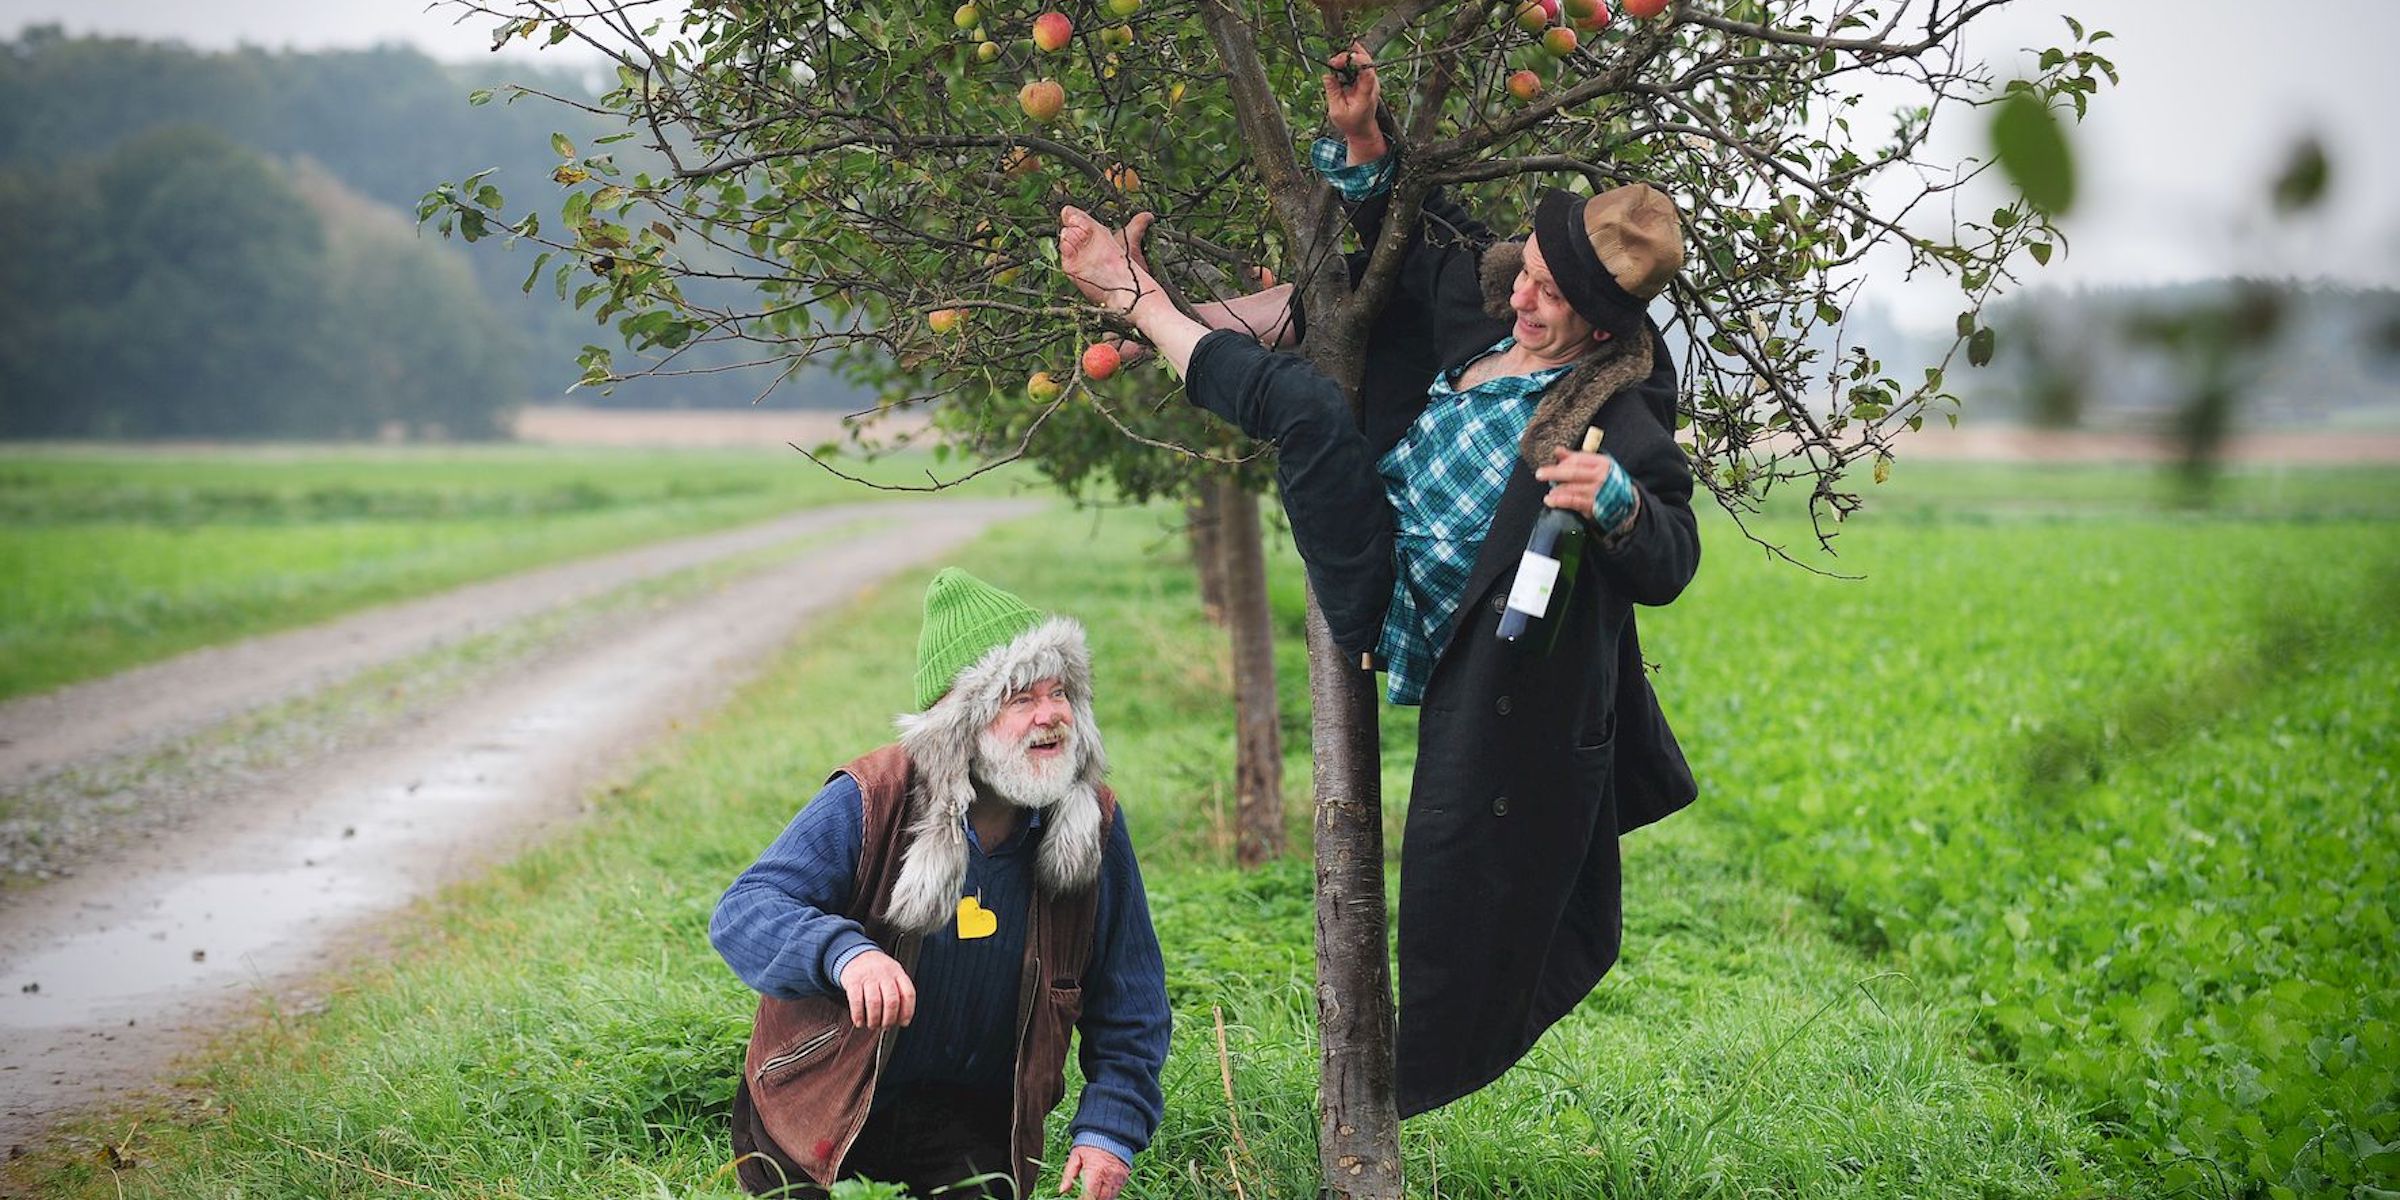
(974, 920)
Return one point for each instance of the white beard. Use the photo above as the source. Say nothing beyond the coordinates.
(1003, 765)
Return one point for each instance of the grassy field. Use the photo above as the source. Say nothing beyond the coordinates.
(2053, 858)
(121, 557)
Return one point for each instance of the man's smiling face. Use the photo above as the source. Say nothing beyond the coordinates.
(1030, 753)
(1547, 327)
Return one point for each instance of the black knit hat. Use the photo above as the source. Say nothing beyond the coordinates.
(1610, 253)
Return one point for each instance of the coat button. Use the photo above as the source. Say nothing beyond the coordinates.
(1504, 705)
(1499, 806)
(1499, 603)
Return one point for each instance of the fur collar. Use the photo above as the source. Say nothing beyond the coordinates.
(1570, 405)
(941, 752)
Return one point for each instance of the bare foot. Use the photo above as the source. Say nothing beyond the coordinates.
(1105, 264)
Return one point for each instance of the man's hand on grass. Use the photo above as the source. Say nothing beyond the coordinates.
(1103, 1174)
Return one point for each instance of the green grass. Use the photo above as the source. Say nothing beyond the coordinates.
(2051, 859)
(119, 558)
(2121, 791)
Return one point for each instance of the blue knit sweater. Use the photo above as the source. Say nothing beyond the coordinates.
(780, 927)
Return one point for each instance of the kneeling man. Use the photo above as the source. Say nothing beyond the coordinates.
(934, 927)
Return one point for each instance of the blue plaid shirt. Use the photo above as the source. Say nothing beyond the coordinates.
(1330, 156)
(1445, 478)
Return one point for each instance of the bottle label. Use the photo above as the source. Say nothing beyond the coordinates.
(1536, 574)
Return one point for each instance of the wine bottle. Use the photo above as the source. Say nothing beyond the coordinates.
(1546, 574)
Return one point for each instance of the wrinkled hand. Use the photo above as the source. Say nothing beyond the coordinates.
(1105, 264)
(1351, 105)
(1104, 1174)
(1575, 478)
(881, 996)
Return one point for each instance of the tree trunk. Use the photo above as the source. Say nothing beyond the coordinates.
(1358, 1140)
(1204, 519)
(1258, 761)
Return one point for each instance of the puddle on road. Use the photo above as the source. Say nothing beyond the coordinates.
(212, 928)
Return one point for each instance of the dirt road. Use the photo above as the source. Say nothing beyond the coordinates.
(250, 891)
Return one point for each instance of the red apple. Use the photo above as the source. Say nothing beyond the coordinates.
(1051, 31)
(1533, 16)
(1560, 42)
(944, 320)
(1644, 9)
(1524, 85)
(1595, 22)
(1020, 162)
(1101, 360)
(1043, 100)
(1123, 178)
(1041, 386)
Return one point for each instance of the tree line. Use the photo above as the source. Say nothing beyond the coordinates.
(219, 245)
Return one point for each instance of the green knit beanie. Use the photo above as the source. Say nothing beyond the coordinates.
(965, 619)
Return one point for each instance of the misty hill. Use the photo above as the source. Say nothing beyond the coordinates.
(361, 136)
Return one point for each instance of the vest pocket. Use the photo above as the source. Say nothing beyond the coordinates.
(804, 1051)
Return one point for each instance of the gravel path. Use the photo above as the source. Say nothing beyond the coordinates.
(107, 977)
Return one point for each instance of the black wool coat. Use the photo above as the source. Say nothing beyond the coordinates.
(1529, 765)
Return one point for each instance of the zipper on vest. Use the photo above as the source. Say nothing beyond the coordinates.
(794, 1055)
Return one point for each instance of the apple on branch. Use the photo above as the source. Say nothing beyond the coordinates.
(1559, 41)
(1101, 360)
(1644, 9)
(1043, 100)
(945, 320)
(1524, 85)
(1052, 30)
(1041, 387)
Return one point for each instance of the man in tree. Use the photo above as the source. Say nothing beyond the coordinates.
(1483, 375)
(934, 927)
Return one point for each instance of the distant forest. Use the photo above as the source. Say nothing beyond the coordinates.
(223, 245)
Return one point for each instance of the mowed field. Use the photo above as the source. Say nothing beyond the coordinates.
(118, 557)
(2052, 857)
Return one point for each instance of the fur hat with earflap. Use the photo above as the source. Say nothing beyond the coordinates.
(979, 645)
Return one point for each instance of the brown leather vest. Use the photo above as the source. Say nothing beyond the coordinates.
(812, 1074)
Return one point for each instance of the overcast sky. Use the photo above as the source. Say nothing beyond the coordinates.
(2175, 161)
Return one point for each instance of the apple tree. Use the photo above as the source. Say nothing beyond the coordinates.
(805, 178)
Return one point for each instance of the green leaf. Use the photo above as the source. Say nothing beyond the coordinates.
(559, 143)
(2033, 151)
(1966, 324)
(1981, 346)
(2302, 184)
(2040, 252)
(1828, 312)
